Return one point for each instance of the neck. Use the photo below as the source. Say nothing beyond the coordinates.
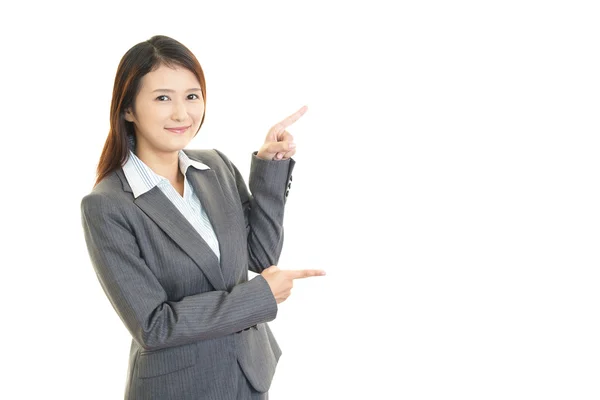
(164, 164)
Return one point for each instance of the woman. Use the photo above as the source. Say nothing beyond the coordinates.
(172, 233)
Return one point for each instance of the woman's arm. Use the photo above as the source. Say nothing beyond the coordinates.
(140, 300)
(263, 207)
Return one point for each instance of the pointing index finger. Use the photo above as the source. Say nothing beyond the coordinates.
(292, 118)
(305, 273)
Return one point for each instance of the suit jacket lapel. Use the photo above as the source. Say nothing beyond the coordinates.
(160, 209)
(213, 200)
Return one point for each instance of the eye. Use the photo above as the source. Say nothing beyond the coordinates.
(162, 97)
(193, 96)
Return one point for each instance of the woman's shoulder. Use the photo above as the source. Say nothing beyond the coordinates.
(109, 191)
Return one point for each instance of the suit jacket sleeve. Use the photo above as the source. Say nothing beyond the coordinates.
(263, 207)
(153, 320)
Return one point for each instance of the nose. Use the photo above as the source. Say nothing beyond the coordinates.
(179, 112)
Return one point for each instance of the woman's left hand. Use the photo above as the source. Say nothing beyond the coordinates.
(279, 144)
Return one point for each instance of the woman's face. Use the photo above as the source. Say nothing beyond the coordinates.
(168, 110)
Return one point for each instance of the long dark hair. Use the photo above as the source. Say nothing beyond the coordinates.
(141, 59)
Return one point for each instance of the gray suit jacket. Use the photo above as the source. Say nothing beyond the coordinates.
(191, 318)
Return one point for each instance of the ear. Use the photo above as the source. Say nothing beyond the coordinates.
(129, 115)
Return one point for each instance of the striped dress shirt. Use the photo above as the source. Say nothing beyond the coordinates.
(142, 179)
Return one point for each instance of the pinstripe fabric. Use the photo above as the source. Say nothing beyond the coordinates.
(142, 179)
(187, 311)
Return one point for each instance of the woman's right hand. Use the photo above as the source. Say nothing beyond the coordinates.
(281, 282)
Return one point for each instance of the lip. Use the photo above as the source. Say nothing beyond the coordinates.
(179, 129)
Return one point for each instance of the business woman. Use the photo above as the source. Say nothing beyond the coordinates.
(172, 233)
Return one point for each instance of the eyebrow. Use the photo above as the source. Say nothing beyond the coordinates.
(173, 91)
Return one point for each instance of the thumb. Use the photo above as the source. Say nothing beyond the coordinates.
(271, 270)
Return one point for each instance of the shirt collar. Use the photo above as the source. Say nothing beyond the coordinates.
(185, 162)
(142, 179)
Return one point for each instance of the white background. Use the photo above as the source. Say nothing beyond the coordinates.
(446, 180)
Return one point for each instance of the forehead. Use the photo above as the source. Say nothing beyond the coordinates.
(164, 77)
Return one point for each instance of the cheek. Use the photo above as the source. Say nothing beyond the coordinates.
(197, 114)
(148, 116)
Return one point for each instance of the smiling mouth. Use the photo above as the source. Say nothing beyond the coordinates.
(178, 130)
